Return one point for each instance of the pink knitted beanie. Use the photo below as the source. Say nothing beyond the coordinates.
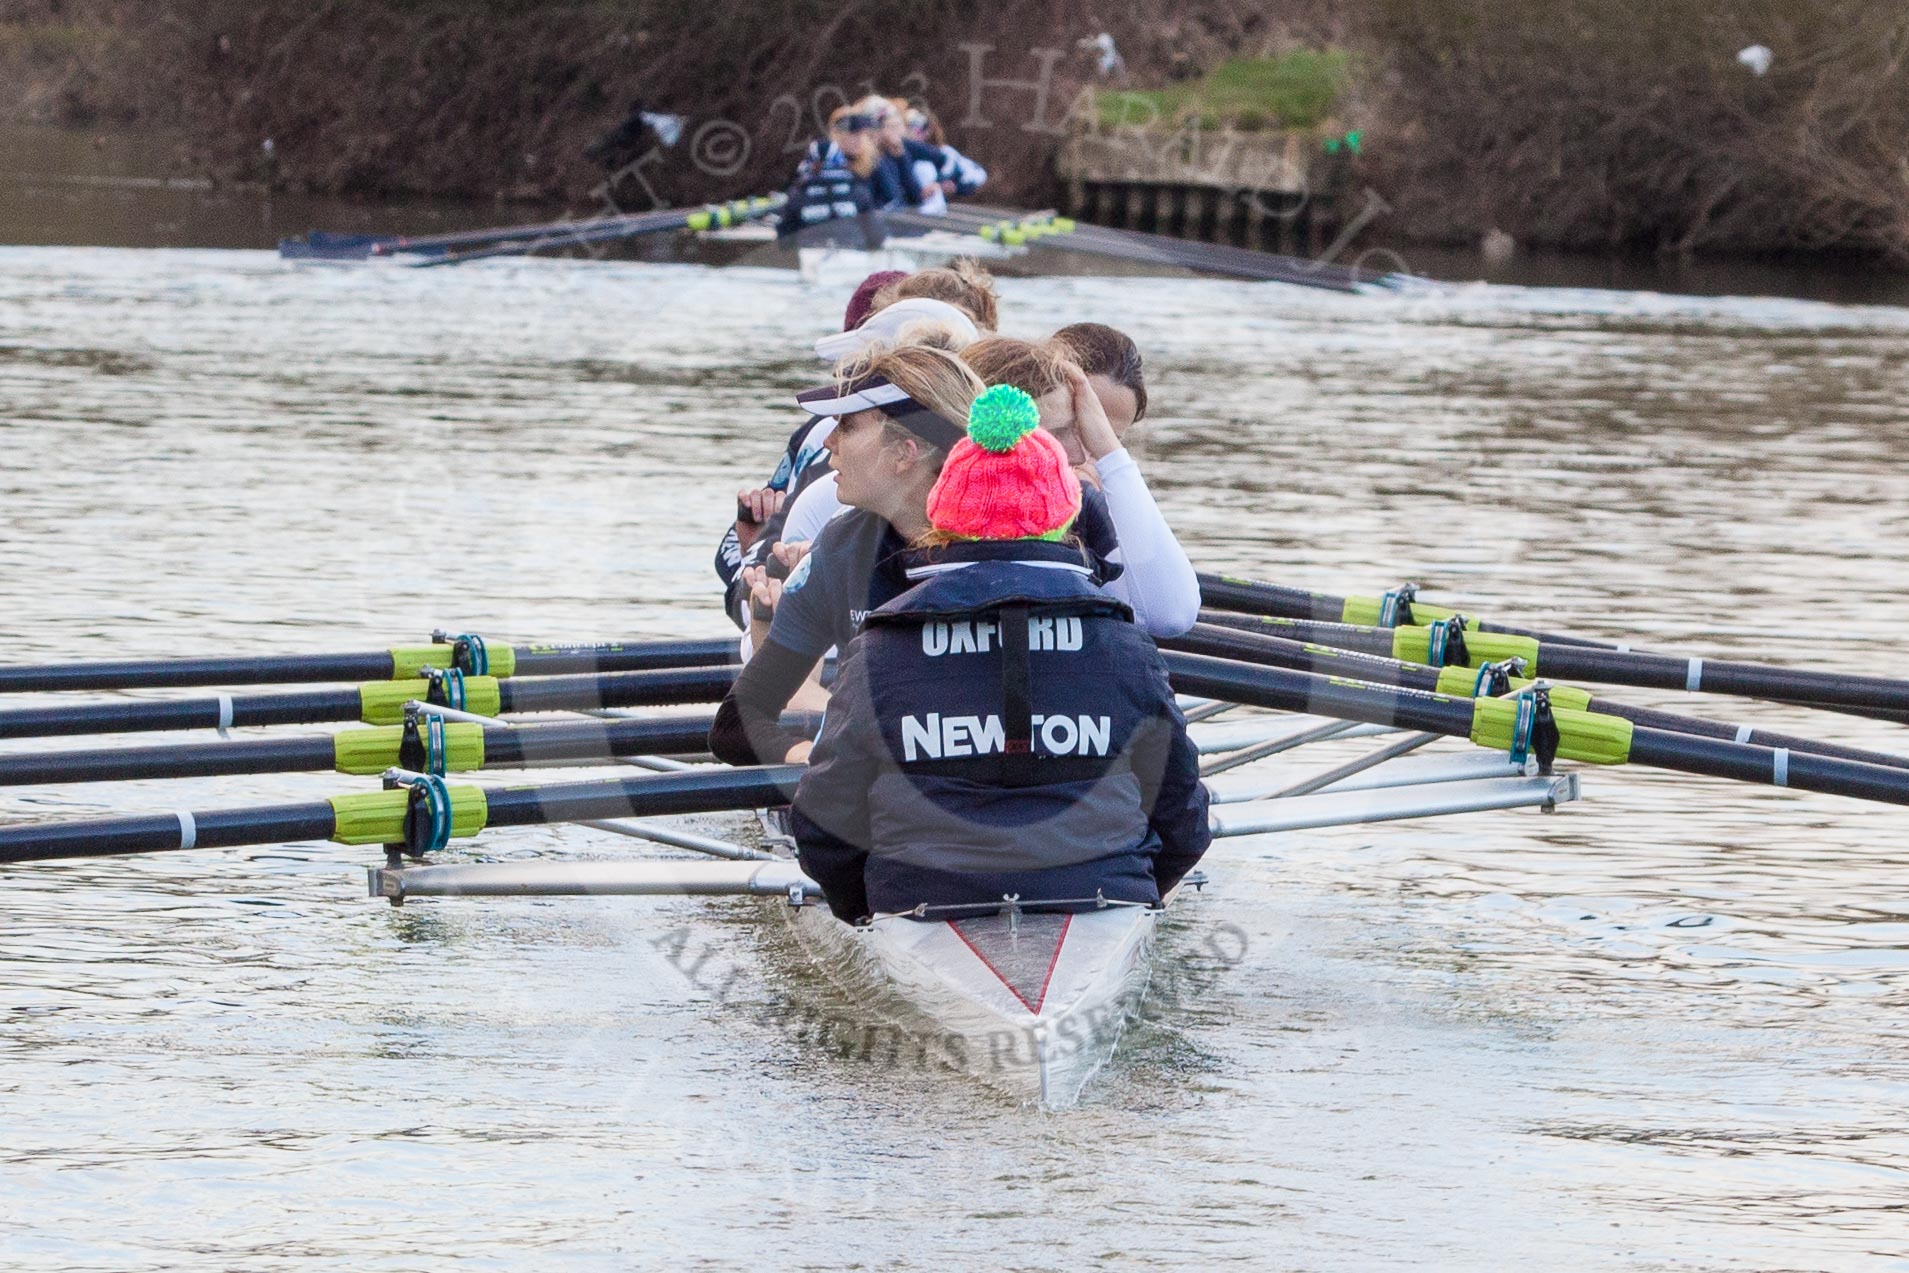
(1007, 479)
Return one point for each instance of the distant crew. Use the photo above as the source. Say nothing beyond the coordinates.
(1000, 729)
(881, 155)
(834, 183)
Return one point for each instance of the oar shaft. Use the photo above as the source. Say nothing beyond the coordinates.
(1864, 694)
(120, 674)
(1672, 722)
(620, 656)
(1247, 596)
(378, 703)
(161, 833)
(667, 687)
(650, 795)
(299, 708)
(1256, 647)
(1853, 695)
(372, 750)
(1291, 691)
(1779, 767)
(1430, 713)
(653, 796)
(199, 760)
(365, 665)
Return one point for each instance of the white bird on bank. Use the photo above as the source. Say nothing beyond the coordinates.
(1757, 57)
(1109, 60)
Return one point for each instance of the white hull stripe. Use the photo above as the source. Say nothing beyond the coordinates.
(1694, 678)
(225, 713)
(188, 830)
(1781, 769)
(1744, 732)
(943, 567)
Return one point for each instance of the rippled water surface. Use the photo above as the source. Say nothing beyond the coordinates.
(1662, 1028)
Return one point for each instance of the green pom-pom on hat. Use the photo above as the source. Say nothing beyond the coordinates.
(1000, 417)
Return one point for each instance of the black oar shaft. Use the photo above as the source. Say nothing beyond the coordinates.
(1217, 641)
(1868, 696)
(637, 656)
(1803, 771)
(1672, 722)
(1290, 691)
(303, 707)
(222, 829)
(539, 694)
(1751, 680)
(198, 760)
(1256, 647)
(365, 665)
(1246, 596)
(368, 665)
(502, 747)
(652, 795)
(1411, 709)
(662, 688)
(659, 795)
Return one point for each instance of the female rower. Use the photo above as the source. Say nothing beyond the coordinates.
(764, 514)
(777, 511)
(1113, 366)
(963, 282)
(1158, 583)
(896, 413)
(893, 181)
(1001, 728)
(943, 171)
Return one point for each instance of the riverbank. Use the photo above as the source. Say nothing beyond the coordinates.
(1629, 126)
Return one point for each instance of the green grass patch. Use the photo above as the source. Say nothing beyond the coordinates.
(36, 43)
(1293, 90)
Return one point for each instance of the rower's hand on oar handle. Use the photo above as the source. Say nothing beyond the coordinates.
(785, 557)
(765, 593)
(765, 584)
(754, 507)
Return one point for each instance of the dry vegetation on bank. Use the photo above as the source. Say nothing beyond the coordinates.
(1604, 123)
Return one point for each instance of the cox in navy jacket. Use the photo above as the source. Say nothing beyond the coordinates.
(825, 189)
(1000, 728)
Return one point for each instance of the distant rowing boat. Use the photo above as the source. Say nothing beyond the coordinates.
(908, 240)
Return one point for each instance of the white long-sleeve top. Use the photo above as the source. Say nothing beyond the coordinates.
(1158, 583)
(811, 511)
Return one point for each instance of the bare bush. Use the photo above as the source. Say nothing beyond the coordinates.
(1626, 123)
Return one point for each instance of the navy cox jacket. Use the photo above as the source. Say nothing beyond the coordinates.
(1000, 728)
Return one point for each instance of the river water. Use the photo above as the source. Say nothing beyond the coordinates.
(1661, 1028)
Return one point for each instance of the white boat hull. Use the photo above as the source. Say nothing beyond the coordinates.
(1032, 1006)
(833, 266)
